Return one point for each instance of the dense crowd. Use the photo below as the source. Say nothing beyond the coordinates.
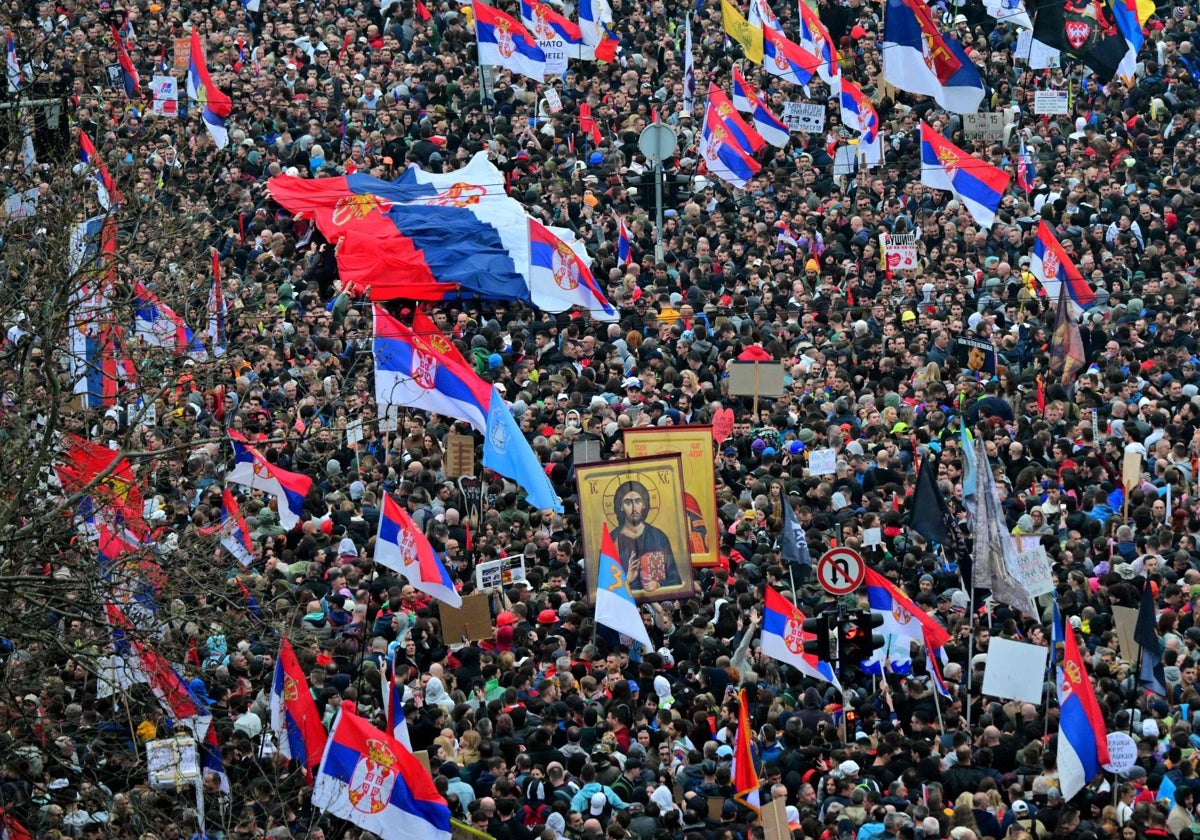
(551, 729)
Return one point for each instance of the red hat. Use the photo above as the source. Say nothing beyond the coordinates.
(505, 619)
(858, 31)
(547, 617)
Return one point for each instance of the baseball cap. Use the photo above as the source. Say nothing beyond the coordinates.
(596, 807)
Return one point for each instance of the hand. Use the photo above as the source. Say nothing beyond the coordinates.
(634, 570)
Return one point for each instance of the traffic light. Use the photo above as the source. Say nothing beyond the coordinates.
(858, 639)
(819, 644)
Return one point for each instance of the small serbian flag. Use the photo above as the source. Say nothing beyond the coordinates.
(129, 73)
(401, 547)
(106, 188)
(368, 778)
(623, 250)
(783, 639)
(252, 470)
(235, 535)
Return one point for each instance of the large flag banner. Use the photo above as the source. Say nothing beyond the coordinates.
(420, 237)
(251, 469)
(419, 371)
(401, 547)
(615, 607)
(368, 778)
(1053, 269)
(1082, 737)
(1067, 355)
(918, 58)
(994, 558)
(215, 104)
(977, 184)
(294, 717)
(504, 42)
(750, 37)
(783, 639)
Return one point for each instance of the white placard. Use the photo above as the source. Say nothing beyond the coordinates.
(1008, 670)
(1037, 55)
(1122, 752)
(556, 55)
(822, 462)
(986, 126)
(390, 421)
(172, 761)
(354, 432)
(499, 573)
(166, 96)
(553, 101)
(804, 116)
(872, 537)
(900, 251)
(1051, 103)
(1033, 571)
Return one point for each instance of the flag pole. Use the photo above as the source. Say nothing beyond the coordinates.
(970, 651)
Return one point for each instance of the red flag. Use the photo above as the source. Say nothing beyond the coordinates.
(745, 777)
(294, 716)
(422, 12)
(12, 827)
(193, 652)
(345, 46)
(588, 124)
(470, 542)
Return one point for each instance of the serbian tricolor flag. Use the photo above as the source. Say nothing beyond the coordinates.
(770, 127)
(110, 475)
(217, 312)
(623, 248)
(858, 113)
(1052, 267)
(370, 779)
(151, 667)
(975, 183)
(743, 773)
(504, 42)
(745, 137)
(741, 100)
(548, 25)
(294, 716)
(783, 639)
(215, 104)
(918, 58)
(560, 274)
(129, 73)
(723, 157)
(16, 74)
(106, 188)
(401, 547)
(419, 371)
(1082, 736)
(158, 325)
(814, 37)
(235, 535)
(252, 470)
(787, 60)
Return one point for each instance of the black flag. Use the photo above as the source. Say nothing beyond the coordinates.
(930, 511)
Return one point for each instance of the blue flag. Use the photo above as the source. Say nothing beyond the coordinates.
(506, 451)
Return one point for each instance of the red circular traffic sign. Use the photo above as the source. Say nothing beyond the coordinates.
(841, 570)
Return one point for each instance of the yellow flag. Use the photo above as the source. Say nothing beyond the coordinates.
(742, 31)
